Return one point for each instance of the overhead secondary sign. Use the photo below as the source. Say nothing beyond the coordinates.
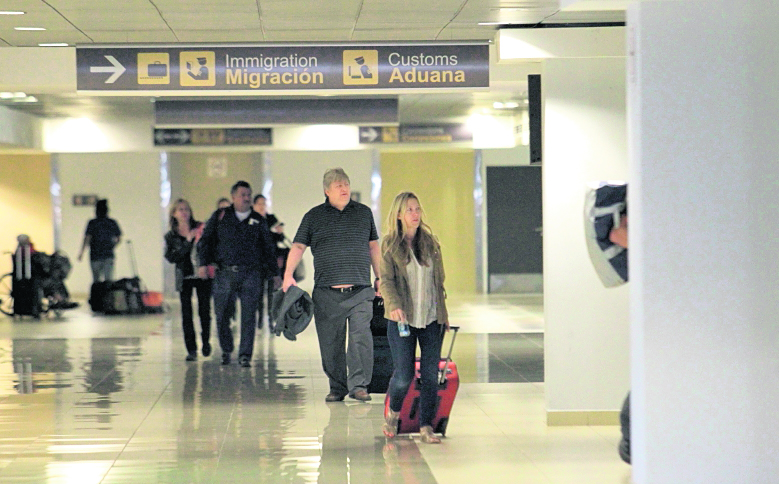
(213, 137)
(268, 67)
(412, 133)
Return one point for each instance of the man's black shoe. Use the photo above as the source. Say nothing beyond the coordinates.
(225, 358)
(192, 356)
(206, 349)
(334, 397)
(245, 361)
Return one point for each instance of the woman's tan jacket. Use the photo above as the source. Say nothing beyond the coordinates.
(395, 289)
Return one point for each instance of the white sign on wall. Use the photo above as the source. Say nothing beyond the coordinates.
(217, 167)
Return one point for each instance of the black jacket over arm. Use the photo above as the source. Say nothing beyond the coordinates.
(178, 250)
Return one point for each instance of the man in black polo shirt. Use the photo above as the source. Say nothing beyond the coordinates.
(237, 240)
(344, 242)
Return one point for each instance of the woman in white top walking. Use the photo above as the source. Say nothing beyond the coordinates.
(412, 284)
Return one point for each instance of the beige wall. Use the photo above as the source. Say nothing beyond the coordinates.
(443, 181)
(25, 203)
(190, 178)
(131, 183)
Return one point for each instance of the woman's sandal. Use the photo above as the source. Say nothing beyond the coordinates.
(427, 435)
(390, 427)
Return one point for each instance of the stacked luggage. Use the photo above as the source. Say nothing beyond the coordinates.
(117, 297)
(37, 281)
(125, 296)
(26, 281)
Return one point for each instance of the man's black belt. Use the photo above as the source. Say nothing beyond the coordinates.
(236, 268)
(347, 289)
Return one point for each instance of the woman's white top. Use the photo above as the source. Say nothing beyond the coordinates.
(420, 281)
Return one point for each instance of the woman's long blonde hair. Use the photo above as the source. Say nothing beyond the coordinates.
(423, 243)
(173, 221)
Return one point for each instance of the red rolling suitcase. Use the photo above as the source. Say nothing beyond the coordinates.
(448, 383)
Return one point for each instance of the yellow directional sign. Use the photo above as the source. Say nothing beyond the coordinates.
(282, 67)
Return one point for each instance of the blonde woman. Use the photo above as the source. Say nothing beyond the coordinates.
(184, 234)
(412, 283)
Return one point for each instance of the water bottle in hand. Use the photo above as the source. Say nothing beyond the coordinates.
(403, 329)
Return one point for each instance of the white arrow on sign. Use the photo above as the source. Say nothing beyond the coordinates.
(370, 134)
(180, 136)
(116, 69)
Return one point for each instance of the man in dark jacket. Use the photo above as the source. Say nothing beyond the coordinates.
(237, 241)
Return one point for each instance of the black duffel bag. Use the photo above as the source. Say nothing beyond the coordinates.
(124, 297)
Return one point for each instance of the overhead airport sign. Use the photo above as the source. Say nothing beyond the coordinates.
(182, 70)
(408, 133)
(213, 137)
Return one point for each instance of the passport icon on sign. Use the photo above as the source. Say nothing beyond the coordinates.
(197, 68)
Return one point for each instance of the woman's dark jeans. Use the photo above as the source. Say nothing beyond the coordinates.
(404, 356)
(203, 287)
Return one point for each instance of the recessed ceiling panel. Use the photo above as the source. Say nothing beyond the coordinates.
(395, 34)
(307, 24)
(325, 35)
(132, 36)
(23, 39)
(96, 4)
(219, 36)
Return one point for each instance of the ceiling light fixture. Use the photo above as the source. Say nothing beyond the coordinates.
(11, 12)
(506, 105)
(12, 95)
(54, 44)
(17, 97)
(29, 28)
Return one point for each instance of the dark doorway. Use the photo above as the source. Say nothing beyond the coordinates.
(514, 229)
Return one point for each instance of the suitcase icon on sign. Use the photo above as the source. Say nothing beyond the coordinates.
(157, 69)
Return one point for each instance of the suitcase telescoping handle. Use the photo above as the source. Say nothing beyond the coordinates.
(132, 257)
(442, 375)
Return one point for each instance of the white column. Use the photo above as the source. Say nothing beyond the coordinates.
(704, 204)
(585, 140)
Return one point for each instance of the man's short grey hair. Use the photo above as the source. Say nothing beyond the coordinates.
(332, 175)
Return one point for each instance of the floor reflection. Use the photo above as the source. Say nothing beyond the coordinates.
(104, 376)
(235, 421)
(37, 364)
(352, 452)
(129, 410)
(98, 400)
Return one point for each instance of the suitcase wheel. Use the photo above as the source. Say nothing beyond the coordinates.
(441, 427)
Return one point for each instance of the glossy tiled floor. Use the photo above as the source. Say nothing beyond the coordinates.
(107, 400)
